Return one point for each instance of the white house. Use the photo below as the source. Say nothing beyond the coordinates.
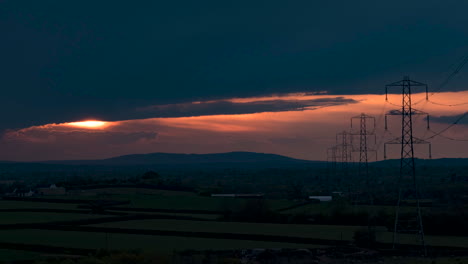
(322, 198)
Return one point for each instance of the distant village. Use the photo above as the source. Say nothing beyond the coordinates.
(39, 191)
(57, 190)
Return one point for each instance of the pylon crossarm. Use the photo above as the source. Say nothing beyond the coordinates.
(420, 141)
(417, 112)
(399, 112)
(396, 140)
(363, 115)
(405, 82)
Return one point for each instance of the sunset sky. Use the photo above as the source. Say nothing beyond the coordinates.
(277, 77)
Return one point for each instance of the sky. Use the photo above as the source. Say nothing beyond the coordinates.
(216, 76)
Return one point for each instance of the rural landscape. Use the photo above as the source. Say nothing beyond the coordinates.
(233, 132)
(178, 213)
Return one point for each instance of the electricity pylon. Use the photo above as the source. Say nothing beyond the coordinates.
(331, 161)
(413, 224)
(343, 143)
(331, 158)
(364, 133)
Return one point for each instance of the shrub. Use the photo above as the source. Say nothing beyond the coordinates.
(364, 238)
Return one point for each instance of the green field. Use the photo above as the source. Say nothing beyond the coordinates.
(6, 204)
(160, 199)
(126, 241)
(419, 260)
(191, 202)
(446, 241)
(200, 216)
(327, 208)
(7, 255)
(331, 232)
(35, 217)
(312, 231)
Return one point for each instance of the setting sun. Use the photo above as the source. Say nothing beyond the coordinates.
(88, 124)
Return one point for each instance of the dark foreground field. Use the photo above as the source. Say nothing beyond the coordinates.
(184, 227)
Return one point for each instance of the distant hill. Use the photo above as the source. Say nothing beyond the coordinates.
(229, 159)
(200, 161)
(444, 162)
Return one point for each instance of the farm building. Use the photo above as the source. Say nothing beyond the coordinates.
(322, 198)
(20, 193)
(239, 195)
(51, 190)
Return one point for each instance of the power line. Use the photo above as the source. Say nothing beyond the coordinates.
(448, 127)
(436, 103)
(393, 104)
(448, 79)
(453, 65)
(450, 138)
(463, 62)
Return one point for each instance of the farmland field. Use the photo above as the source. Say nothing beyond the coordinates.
(314, 231)
(37, 217)
(14, 255)
(325, 208)
(126, 241)
(162, 203)
(6, 204)
(329, 232)
(162, 199)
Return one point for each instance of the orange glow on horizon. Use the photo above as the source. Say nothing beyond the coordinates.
(89, 124)
(292, 132)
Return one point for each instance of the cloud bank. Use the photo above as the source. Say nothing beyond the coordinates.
(231, 107)
(244, 125)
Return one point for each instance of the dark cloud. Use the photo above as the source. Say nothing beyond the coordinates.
(73, 137)
(450, 119)
(302, 134)
(223, 107)
(64, 61)
(46, 143)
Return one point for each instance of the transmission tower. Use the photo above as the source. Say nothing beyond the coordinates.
(331, 162)
(364, 133)
(331, 158)
(413, 224)
(344, 147)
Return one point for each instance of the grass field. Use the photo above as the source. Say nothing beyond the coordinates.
(327, 208)
(313, 231)
(446, 241)
(330, 232)
(192, 202)
(8, 255)
(161, 199)
(419, 260)
(126, 241)
(202, 216)
(35, 217)
(5, 204)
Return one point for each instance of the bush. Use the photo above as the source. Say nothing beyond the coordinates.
(364, 238)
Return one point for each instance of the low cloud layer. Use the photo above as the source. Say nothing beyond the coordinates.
(229, 107)
(451, 119)
(58, 140)
(281, 130)
(41, 136)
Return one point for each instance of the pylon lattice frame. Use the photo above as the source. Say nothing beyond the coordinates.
(364, 133)
(344, 146)
(331, 158)
(407, 167)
